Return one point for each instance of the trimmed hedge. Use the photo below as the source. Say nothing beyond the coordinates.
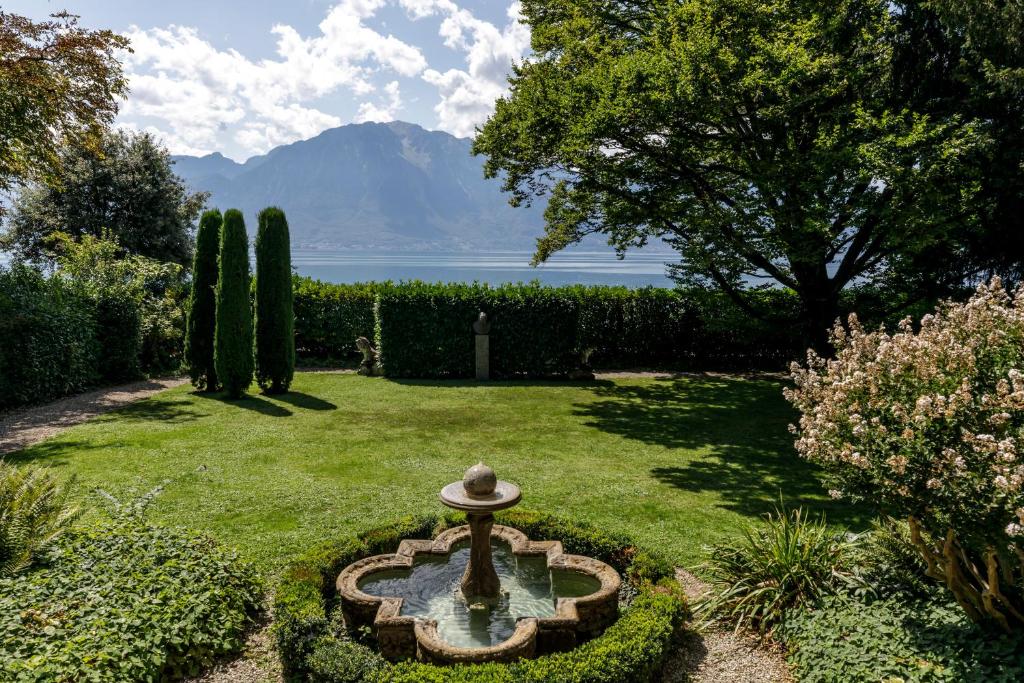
(423, 330)
(49, 346)
(633, 649)
(329, 317)
(202, 304)
(233, 349)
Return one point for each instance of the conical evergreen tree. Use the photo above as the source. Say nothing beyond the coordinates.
(202, 304)
(233, 354)
(275, 319)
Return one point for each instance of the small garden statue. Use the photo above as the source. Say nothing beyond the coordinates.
(584, 372)
(369, 365)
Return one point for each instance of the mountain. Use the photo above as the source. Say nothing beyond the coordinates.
(372, 186)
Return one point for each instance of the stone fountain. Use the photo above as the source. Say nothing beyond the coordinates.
(511, 598)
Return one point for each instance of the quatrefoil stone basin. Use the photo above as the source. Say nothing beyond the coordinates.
(560, 625)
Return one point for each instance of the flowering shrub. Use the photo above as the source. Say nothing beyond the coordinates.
(928, 424)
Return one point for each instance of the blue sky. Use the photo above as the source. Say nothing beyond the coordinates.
(242, 77)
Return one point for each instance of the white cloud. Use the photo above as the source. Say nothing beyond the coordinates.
(382, 112)
(197, 97)
(467, 96)
(198, 92)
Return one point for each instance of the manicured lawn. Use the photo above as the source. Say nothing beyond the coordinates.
(678, 463)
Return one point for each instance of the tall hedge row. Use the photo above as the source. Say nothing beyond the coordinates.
(48, 338)
(329, 317)
(423, 330)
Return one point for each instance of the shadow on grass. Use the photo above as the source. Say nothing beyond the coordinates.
(739, 425)
(301, 400)
(251, 402)
(52, 453)
(172, 409)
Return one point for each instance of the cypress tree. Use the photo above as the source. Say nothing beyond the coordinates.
(275, 324)
(233, 347)
(202, 304)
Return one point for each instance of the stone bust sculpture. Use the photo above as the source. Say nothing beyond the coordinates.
(482, 325)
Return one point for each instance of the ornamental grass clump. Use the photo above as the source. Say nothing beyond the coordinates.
(789, 562)
(928, 424)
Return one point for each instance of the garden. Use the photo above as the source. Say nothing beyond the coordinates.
(801, 463)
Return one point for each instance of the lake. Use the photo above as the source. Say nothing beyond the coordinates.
(638, 269)
(588, 267)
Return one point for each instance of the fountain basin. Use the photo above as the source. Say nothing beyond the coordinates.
(401, 636)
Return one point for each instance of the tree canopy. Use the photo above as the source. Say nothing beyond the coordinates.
(59, 87)
(769, 141)
(126, 187)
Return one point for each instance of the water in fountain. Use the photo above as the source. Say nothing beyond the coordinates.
(430, 590)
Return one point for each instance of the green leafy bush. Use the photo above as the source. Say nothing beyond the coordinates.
(929, 425)
(202, 304)
(34, 512)
(632, 649)
(898, 640)
(125, 601)
(890, 563)
(49, 344)
(787, 563)
(233, 333)
(275, 317)
(134, 301)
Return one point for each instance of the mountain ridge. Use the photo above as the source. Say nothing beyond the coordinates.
(371, 186)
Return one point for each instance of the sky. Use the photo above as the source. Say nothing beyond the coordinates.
(241, 77)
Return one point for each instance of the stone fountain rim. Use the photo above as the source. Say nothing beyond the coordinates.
(388, 615)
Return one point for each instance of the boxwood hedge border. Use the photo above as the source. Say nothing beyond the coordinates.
(312, 647)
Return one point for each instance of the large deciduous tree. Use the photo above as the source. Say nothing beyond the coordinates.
(201, 318)
(767, 140)
(59, 87)
(233, 334)
(275, 316)
(126, 188)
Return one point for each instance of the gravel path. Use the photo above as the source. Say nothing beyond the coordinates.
(23, 427)
(721, 656)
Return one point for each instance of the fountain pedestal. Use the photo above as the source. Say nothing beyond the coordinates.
(480, 580)
(479, 495)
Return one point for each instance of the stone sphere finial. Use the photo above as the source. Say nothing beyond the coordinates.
(479, 480)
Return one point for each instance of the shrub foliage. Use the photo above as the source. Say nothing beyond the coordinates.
(329, 318)
(202, 304)
(631, 649)
(233, 334)
(49, 338)
(125, 601)
(930, 425)
(275, 317)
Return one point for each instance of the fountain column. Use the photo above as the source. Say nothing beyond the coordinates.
(480, 494)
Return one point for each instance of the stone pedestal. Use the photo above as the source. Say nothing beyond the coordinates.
(480, 580)
(483, 357)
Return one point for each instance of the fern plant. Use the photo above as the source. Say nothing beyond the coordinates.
(34, 511)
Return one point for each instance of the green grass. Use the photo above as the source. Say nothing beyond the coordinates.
(676, 463)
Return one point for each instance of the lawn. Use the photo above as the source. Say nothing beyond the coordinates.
(677, 463)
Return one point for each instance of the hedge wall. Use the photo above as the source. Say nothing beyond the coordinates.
(632, 649)
(424, 330)
(48, 340)
(328, 318)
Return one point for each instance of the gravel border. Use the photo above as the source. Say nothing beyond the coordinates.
(24, 427)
